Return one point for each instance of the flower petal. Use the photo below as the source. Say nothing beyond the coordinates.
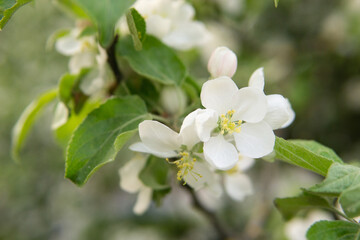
(61, 116)
(186, 36)
(68, 45)
(220, 152)
(207, 176)
(205, 123)
(279, 113)
(143, 200)
(158, 138)
(249, 104)
(129, 174)
(238, 186)
(257, 79)
(140, 147)
(255, 140)
(187, 131)
(245, 163)
(218, 93)
(158, 26)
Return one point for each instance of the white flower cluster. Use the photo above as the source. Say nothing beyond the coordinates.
(84, 53)
(172, 21)
(235, 127)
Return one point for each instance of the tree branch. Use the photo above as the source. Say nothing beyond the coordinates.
(222, 233)
(111, 59)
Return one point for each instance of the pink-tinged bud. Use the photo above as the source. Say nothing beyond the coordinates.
(223, 62)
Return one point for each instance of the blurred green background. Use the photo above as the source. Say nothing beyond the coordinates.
(311, 53)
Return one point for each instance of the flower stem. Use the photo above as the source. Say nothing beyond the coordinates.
(222, 233)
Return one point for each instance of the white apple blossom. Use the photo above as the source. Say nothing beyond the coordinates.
(173, 22)
(82, 50)
(130, 182)
(237, 184)
(235, 115)
(222, 62)
(279, 112)
(84, 53)
(163, 142)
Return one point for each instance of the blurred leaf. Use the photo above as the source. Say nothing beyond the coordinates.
(155, 174)
(8, 8)
(73, 7)
(343, 181)
(105, 15)
(155, 61)
(289, 207)
(276, 2)
(69, 91)
(137, 27)
(69, 84)
(334, 230)
(27, 119)
(306, 154)
(93, 142)
(87, 31)
(158, 195)
(55, 36)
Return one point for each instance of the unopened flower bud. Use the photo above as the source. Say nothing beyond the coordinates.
(173, 100)
(222, 62)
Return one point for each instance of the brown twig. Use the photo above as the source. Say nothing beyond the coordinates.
(111, 59)
(222, 233)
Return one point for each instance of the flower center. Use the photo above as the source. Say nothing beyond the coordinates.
(185, 166)
(226, 125)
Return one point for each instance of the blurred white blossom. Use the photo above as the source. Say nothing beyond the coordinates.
(296, 228)
(173, 22)
(130, 182)
(237, 184)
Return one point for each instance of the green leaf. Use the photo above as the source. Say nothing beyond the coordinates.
(350, 201)
(319, 149)
(155, 61)
(71, 6)
(158, 195)
(123, 138)
(64, 132)
(306, 154)
(137, 27)
(342, 181)
(339, 178)
(105, 15)
(334, 230)
(8, 8)
(289, 207)
(155, 174)
(27, 119)
(93, 142)
(276, 2)
(69, 91)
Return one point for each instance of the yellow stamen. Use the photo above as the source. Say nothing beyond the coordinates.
(226, 125)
